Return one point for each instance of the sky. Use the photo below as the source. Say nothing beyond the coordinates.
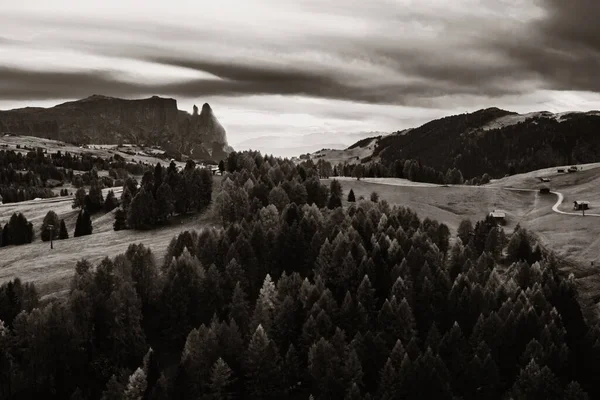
(291, 76)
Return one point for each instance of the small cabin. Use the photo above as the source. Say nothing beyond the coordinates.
(498, 215)
(544, 179)
(573, 169)
(581, 205)
(544, 190)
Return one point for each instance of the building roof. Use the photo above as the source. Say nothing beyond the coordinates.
(498, 214)
(581, 202)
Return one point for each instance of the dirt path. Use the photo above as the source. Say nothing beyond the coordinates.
(559, 202)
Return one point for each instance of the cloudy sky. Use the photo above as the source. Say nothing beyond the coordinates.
(306, 74)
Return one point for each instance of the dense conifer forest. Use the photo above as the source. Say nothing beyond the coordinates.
(295, 296)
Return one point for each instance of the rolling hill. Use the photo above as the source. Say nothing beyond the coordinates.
(493, 141)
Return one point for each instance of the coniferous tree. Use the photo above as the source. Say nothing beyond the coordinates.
(221, 381)
(262, 367)
(351, 197)
(50, 226)
(164, 202)
(374, 197)
(18, 230)
(137, 385)
(335, 195)
(114, 390)
(83, 226)
(142, 211)
(79, 200)
(111, 202)
(63, 233)
(120, 220)
(94, 200)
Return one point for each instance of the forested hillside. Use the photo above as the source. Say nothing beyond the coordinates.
(297, 297)
(466, 143)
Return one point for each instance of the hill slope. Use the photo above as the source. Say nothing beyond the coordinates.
(108, 120)
(493, 141)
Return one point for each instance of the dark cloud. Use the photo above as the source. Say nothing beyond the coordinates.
(562, 48)
(558, 51)
(18, 84)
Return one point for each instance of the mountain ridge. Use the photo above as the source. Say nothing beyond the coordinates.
(489, 140)
(110, 120)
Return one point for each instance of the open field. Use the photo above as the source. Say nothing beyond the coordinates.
(448, 204)
(146, 155)
(51, 270)
(571, 235)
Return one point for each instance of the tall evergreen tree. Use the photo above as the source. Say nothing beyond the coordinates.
(50, 226)
(111, 202)
(164, 203)
(63, 232)
(221, 381)
(83, 226)
(351, 196)
(120, 220)
(142, 211)
(262, 367)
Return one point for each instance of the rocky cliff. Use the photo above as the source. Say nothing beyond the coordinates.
(108, 120)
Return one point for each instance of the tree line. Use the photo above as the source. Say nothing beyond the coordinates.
(162, 193)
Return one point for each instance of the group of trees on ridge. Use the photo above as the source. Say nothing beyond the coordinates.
(18, 231)
(305, 300)
(34, 174)
(162, 193)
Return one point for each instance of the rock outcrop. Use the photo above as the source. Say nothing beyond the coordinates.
(108, 120)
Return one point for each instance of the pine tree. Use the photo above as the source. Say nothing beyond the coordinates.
(262, 367)
(114, 390)
(164, 203)
(83, 226)
(50, 226)
(353, 393)
(17, 231)
(120, 220)
(239, 308)
(111, 202)
(142, 211)
(374, 197)
(221, 381)
(325, 368)
(266, 304)
(94, 199)
(279, 198)
(351, 196)
(63, 233)
(388, 382)
(79, 199)
(137, 385)
(536, 383)
(573, 391)
(126, 198)
(292, 367)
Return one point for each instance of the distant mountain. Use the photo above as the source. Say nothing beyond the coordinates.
(108, 120)
(492, 141)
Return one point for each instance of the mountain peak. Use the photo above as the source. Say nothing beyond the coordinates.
(206, 108)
